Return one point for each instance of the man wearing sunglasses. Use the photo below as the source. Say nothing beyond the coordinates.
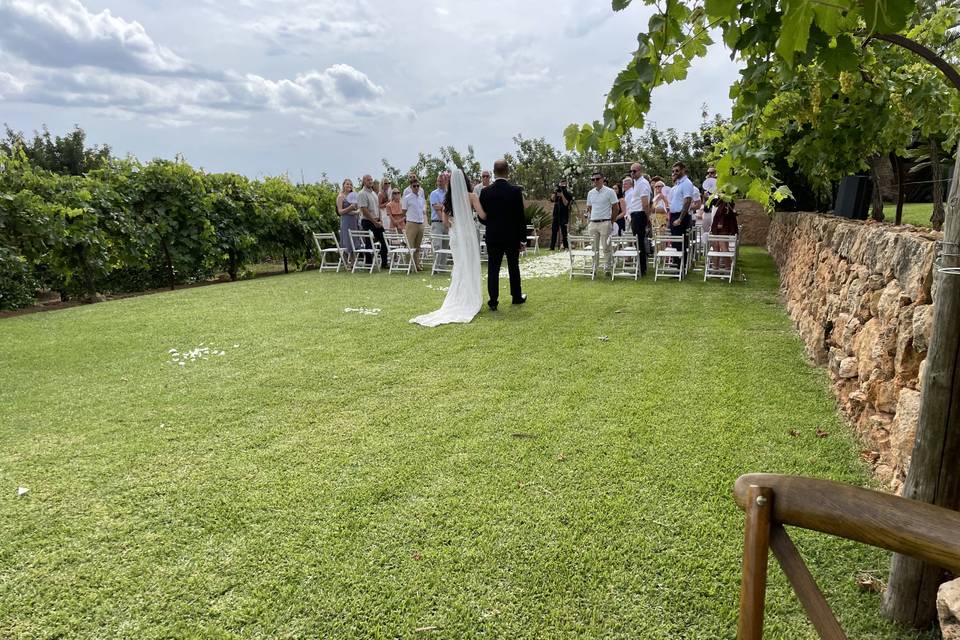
(602, 208)
(638, 201)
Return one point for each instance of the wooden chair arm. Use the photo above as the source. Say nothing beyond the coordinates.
(879, 519)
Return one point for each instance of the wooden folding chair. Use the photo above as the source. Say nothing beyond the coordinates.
(770, 501)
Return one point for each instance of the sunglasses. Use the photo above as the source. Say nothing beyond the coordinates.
(596, 179)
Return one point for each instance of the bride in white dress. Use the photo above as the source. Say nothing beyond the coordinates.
(463, 299)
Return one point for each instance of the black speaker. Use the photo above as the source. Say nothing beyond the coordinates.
(853, 197)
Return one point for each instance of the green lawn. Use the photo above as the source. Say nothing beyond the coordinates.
(339, 475)
(917, 213)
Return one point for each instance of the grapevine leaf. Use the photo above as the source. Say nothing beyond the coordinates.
(886, 16)
(795, 29)
(721, 8)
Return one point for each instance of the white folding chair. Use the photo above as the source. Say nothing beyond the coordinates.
(328, 247)
(399, 253)
(626, 257)
(364, 244)
(533, 240)
(426, 247)
(668, 261)
(690, 248)
(484, 254)
(584, 256)
(442, 253)
(721, 258)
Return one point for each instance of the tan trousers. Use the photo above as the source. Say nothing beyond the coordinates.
(600, 234)
(414, 233)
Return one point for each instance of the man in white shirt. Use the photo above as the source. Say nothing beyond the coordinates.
(709, 188)
(602, 208)
(682, 196)
(369, 205)
(414, 206)
(639, 206)
(484, 182)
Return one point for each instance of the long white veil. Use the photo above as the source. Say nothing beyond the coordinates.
(464, 298)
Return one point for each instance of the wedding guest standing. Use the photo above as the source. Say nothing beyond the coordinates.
(347, 210)
(561, 199)
(620, 222)
(394, 209)
(709, 188)
(638, 204)
(382, 202)
(682, 195)
(484, 182)
(370, 212)
(602, 208)
(438, 218)
(414, 206)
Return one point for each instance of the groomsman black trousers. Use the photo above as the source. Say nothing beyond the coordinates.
(366, 225)
(495, 254)
(638, 224)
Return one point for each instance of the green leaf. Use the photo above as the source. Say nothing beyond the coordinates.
(842, 57)
(795, 29)
(887, 16)
(721, 8)
(571, 135)
(620, 5)
(827, 18)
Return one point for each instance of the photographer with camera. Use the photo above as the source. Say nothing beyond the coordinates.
(561, 199)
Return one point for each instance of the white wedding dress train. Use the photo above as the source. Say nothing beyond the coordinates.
(464, 298)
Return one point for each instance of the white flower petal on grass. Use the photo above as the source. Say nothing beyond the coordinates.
(236, 346)
(22, 491)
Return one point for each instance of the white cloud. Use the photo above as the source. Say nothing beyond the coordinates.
(63, 33)
(337, 94)
(230, 82)
(9, 85)
(66, 56)
(323, 24)
(581, 25)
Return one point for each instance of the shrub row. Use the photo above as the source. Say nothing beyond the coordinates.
(128, 226)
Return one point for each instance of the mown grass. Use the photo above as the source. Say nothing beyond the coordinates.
(345, 475)
(917, 213)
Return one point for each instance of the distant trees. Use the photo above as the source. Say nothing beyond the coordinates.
(75, 220)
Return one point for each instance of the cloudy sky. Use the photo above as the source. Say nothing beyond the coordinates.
(272, 86)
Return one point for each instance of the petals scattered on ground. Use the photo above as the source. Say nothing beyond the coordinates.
(546, 266)
(202, 352)
(362, 311)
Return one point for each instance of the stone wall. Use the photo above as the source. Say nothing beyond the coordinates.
(860, 295)
(755, 222)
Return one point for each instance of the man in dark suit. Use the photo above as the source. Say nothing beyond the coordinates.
(506, 231)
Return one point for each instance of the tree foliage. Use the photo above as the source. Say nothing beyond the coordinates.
(119, 225)
(815, 84)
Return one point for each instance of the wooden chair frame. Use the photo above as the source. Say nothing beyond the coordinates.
(770, 501)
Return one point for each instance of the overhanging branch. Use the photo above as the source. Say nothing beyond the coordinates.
(930, 56)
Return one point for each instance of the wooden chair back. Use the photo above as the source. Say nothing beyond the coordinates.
(770, 501)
